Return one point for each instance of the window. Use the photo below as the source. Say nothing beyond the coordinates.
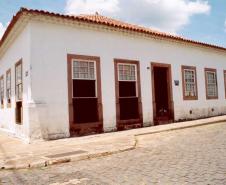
(128, 91)
(127, 80)
(84, 91)
(83, 70)
(189, 80)
(211, 83)
(84, 94)
(127, 72)
(19, 91)
(225, 82)
(2, 91)
(19, 87)
(128, 95)
(8, 87)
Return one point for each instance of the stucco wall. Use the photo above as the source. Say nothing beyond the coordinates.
(52, 42)
(19, 49)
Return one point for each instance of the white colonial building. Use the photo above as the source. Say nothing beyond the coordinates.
(62, 76)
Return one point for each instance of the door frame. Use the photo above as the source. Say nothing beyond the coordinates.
(131, 123)
(169, 87)
(83, 127)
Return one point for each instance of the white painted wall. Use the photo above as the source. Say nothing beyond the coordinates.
(44, 48)
(20, 49)
(50, 44)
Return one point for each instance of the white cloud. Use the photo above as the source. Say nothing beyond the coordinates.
(165, 15)
(91, 6)
(2, 30)
(225, 25)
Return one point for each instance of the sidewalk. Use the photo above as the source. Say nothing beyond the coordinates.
(14, 154)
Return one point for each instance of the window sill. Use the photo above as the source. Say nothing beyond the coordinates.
(212, 98)
(190, 98)
(17, 123)
(131, 121)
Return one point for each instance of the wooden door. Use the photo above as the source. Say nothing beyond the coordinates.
(162, 93)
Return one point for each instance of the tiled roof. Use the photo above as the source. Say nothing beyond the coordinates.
(119, 24)
(102, 20)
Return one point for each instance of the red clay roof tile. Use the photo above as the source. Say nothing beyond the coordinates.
(99, 19)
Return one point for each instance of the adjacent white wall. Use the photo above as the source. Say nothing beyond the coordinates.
(50, 44)
(20, 49)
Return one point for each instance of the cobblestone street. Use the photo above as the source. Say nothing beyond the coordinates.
(189, 156)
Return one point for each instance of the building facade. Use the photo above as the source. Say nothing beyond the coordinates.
(73, 75)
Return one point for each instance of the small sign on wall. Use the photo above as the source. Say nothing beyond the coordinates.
(176, 82)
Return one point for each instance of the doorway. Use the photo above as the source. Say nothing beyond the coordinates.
(84, 95)
(162, 93)
(128, 94)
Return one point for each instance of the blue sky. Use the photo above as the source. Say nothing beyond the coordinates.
(202, 20)
(209, 28)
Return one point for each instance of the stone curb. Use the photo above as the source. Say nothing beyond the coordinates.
(44, 163)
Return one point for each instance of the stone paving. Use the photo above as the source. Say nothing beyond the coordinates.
(190, 156)
(15, 154)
